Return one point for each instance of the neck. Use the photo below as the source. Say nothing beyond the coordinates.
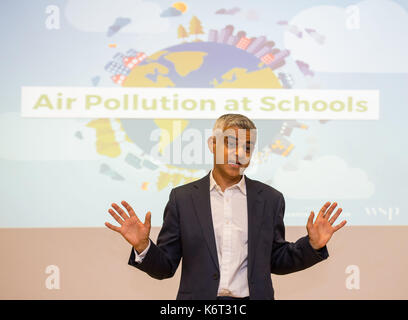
(224, 181)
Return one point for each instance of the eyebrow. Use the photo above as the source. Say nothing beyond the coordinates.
(236, 139)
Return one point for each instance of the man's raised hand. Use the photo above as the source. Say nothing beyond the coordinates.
(131, 228)
(322, 229)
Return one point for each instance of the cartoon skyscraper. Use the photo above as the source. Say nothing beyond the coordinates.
(131, 53)
(263, 51)
(232, 40)
(241, 34)
(212, 35)
(279, 59)
(118, 57)
(141, 56)
(131, 62)
(116, 68)
(225, 34)
(243, 43)
(256, 45)
(118, 78)
(268, 58)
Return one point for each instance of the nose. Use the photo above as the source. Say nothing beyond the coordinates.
(240, 155)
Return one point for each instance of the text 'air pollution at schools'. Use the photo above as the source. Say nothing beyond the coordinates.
(199, 103)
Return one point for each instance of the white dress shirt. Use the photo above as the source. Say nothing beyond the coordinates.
(230, 221)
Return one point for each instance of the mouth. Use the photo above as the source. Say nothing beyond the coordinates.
(234, 165)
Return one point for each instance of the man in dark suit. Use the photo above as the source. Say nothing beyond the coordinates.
(228, 228)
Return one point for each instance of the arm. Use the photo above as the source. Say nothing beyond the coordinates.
(288, 257)
(161, 260)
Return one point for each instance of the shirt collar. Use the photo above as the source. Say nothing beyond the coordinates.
(241, 184)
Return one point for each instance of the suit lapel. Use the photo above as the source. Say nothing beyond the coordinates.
(255, 205)
(202, 205)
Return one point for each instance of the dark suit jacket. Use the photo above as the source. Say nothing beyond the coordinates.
(188, 233)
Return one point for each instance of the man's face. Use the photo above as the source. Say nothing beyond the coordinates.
(233, 150)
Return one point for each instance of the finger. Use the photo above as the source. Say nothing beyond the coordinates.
(323, 209)
(128, 208)
(336, 215)
(310, 220)
(120, 211)
(340, 225)
(112, 227)
(148, 220)
(115, 216)
(329, 212)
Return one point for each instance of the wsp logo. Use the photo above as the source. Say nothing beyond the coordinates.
(388, 212)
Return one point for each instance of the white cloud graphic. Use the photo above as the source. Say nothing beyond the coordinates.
(97, 16)
(326, 177)
(378, 45)
(32, 139)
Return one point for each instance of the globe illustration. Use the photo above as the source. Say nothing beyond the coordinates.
(198, 65)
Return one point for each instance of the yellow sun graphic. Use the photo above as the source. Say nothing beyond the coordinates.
(181, 6)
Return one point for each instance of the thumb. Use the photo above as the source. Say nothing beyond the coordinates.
(148, 220)
(310, 220)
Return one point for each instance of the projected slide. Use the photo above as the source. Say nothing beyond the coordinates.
(104, 103)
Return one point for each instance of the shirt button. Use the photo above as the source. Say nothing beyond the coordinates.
(215, 276)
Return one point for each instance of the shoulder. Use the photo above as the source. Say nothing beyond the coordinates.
(187, 188)
(267, 190)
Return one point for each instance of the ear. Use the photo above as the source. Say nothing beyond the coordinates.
(211, 144)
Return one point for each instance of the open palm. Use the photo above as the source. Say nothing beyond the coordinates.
(131, 228)
(321, 230)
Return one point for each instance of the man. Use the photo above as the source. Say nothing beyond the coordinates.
(227, 227)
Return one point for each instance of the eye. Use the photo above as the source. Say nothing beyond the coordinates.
(231, 143)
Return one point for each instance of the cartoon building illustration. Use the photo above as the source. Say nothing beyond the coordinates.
(279, 59)
(268, 58)
(256, 45)
(212, 35)
(232, 40)
(263, 51)
(243, 43)
(118, 78)
(116, 68)
(122, 64)
(118, 57)
(131, 62)
(225, 34)
(131, 53)
(260, 47)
